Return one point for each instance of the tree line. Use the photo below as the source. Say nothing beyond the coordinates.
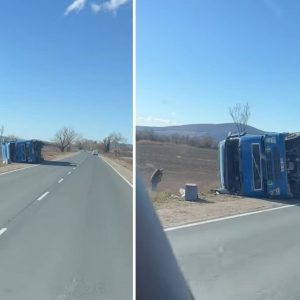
(200, 142)
(67, 138)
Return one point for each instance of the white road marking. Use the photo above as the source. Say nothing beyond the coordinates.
(69, 173)
(116, 171)
(230, 217)
(43, 196)
(74, 168)
(17, 170)
(2, 230)
(60, 180)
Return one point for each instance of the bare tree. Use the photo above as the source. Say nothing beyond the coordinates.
(240, 115)
(207, 142)
(145, 135)
(86, 144)
(113, 141)
(106, 142)
(116, 138)
(64, 138)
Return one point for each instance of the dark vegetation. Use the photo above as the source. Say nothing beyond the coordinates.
(195, 141)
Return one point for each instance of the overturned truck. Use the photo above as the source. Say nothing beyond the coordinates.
(260, 165)
(22, 151)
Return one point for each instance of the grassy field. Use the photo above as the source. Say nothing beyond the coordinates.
(181, 163)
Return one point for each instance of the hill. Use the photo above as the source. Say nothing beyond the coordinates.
(216, 131)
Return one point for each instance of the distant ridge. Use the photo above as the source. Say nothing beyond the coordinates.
(216, 131)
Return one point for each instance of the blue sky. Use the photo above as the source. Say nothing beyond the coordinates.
(66, 63)
(197, 58)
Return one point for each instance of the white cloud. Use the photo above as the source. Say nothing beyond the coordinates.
(95, 7)
(76, 5)
(153, 121)
(110, 5)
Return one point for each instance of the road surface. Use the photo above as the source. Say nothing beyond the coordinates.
(66, 232)
(250, 257)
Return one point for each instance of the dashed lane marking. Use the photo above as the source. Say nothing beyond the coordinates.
(42, 196)
(2, 230)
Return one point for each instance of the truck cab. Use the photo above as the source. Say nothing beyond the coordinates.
(260, 165)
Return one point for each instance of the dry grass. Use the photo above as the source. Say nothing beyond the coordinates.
(124, 158)
(172, 210)
(181, 163)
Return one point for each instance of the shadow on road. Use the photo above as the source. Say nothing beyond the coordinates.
(290, 201)
(286, 201)
(58, 163)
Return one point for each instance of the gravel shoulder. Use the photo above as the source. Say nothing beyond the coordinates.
(122, 165)
(173, 211)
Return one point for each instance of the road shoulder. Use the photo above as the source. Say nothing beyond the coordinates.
(174, 211)
(119, 167)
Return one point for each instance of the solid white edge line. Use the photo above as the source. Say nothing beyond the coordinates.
(229, 217)
(42, 196)
(60, 180)
(12, 171)
(2, 230)
(116, 171)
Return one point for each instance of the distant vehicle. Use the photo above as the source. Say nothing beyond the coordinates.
(95, 152)
(266, 165)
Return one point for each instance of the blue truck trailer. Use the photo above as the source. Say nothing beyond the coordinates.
(29, 151)
(266, 165)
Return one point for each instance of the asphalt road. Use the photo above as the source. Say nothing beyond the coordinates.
(250, 257)
(69, 232)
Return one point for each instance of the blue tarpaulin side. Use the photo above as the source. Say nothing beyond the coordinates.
(276, 171)
(248, 166)
(5, 156)
(22, 151)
